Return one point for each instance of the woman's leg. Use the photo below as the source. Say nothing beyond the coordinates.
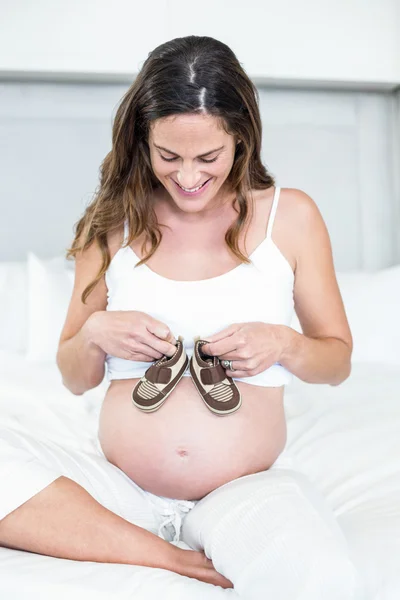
(274, 537)
(63, 520)
(60, 502)
(68, 504)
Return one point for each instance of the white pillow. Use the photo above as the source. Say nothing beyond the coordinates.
(50, 288)
(13, 306)
(351, 286)
(373, 312)
(372, 303)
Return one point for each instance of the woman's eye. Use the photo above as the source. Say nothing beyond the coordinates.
(202, 159)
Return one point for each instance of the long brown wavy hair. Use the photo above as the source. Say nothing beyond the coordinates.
(193, 74)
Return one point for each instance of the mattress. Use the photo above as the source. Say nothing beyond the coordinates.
(344, 438)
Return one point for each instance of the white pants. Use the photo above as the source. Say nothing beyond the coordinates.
(270, 533)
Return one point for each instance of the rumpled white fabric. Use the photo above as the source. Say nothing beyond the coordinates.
(344, 439)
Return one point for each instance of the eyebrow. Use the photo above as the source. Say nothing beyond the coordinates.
(200, 155)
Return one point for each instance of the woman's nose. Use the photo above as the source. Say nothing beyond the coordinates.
(189, 179)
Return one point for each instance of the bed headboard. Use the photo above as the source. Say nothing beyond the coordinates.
(335, 145)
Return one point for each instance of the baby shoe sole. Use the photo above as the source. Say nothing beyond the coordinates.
(155, 407)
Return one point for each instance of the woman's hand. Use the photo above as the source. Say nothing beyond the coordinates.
(252, 347)
(130, 334)
(195, 564)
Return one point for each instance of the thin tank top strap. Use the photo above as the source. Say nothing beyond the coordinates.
(126, 231)
(273, 212)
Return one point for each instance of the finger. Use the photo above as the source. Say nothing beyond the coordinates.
(154, 344)
(240, 365)
(236, 373)
(165, 348)
(224, 346)
(137, 356)
(215, 337)
(230, 356)
(143, 348)
(161, 331)
(171, 338)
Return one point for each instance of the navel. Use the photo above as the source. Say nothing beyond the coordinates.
(182, 452)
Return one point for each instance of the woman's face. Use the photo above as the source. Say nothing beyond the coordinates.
(191, 150)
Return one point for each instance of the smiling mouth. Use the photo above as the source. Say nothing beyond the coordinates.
(196, 188)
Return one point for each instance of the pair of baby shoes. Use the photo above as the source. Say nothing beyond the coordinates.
(218, 391)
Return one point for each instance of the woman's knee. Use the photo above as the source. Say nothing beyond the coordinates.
(275, 524)
(271, 493)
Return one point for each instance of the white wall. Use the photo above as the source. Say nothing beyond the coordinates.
(355, 41)
(395, 167)
(335, 145)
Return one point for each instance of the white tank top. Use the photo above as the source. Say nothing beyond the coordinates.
(260, 291)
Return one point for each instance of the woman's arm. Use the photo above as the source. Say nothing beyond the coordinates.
(79, 360)
(316, 360)
(322, 353)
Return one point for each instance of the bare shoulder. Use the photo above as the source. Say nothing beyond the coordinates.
(295, 213)
(305, 223)
(298, 222)
(114, 240)
(318, 301)
(297, 207)
(88, 263)
(92, 255)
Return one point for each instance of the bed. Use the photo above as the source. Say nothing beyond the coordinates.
(344, 438)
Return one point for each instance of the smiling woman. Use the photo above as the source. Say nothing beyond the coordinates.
(259, 427)
(192, 191)
(190, 172)
(189, 237)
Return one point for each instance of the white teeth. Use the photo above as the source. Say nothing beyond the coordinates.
(191, 190)
(194, 190)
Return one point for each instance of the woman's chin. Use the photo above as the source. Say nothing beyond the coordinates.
(189, 203)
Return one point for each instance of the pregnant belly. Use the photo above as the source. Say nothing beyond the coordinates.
(183, 450)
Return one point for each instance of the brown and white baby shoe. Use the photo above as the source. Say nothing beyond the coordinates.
(219, 392)
(160, 379)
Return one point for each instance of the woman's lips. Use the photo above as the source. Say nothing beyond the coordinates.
(193, 186)
(203, 187)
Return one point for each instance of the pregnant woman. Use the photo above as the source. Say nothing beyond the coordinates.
(190, 249)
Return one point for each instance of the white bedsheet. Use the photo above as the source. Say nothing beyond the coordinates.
(344, 438)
